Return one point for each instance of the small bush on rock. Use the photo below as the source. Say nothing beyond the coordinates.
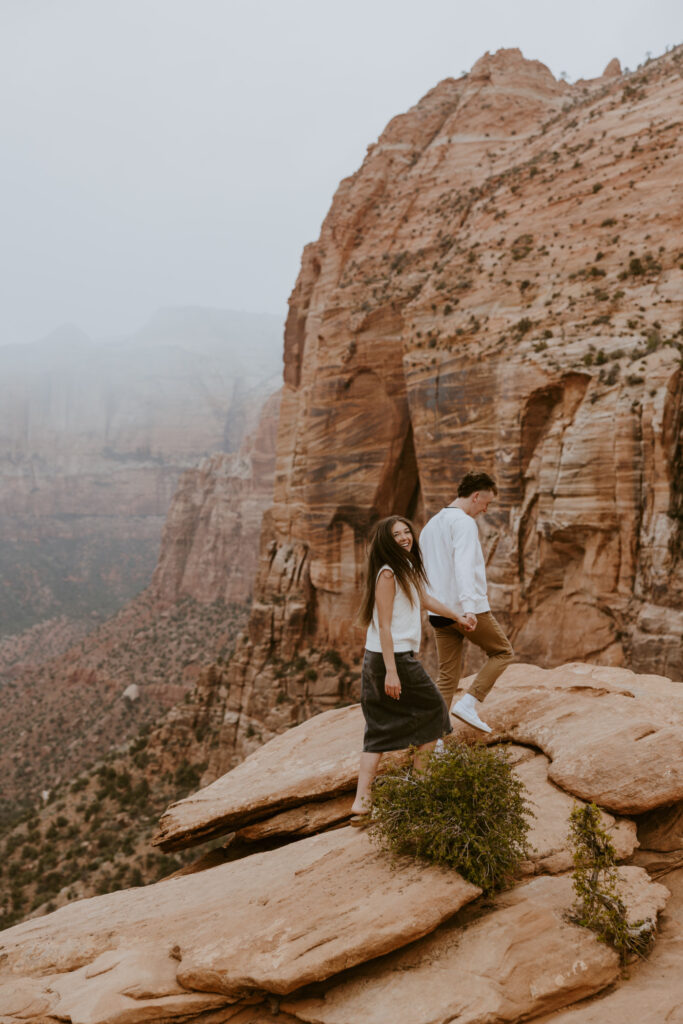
(598, 904)
(466, 810)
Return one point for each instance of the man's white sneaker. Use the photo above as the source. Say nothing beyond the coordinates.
(466, 711)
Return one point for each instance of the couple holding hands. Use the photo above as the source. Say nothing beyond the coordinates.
(445, 574)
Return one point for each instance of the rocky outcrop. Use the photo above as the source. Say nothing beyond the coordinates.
(655, 991)
(496, 286)
(330, 929)
(210, 543)
(611, 736)
(518, 961)
(276, 932)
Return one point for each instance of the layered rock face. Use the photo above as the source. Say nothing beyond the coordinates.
(498, 287)
(93, 439)
(329, 928)
(210, 543)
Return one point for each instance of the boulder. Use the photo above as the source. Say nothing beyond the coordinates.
(271, 922)
(653, 993)
(521, 959)
(613, 737)
(300, 821)
(550, 826)
(314, 760)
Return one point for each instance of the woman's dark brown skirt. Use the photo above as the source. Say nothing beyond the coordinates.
(419, 715)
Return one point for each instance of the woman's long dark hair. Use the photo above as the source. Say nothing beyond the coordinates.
(383, 550)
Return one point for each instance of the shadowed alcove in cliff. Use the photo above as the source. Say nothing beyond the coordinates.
(399, 492)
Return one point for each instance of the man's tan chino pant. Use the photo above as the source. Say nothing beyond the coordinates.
(490, 638)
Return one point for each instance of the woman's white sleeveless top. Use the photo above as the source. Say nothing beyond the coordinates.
(406, 624)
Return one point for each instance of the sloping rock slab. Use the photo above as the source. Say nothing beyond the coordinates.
(614, 737)
(520, 960)
(653, 993)
(548, 835)
(315, 760)
(271, 922)
(300, 821)
(124, 988)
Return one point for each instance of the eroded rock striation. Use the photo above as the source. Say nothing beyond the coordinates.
(210, 543)
(497, 286)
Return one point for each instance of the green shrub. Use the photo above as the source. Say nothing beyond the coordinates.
(466, 810)
(187, 775)
(598, 905)
(522, 246)
(522, 326)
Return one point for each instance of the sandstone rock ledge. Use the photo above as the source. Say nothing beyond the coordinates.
(328, 930)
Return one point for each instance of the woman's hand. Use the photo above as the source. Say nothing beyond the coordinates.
(467, 622)
(392, 684)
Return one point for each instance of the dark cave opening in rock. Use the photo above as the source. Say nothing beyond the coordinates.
(400, 492)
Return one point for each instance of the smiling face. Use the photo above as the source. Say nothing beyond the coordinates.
(402, 534)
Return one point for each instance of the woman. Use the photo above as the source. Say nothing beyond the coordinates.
(401, 705)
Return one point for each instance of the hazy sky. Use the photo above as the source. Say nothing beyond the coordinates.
(176, 152)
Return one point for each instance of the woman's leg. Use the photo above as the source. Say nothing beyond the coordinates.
(421, 755)
(369, 763)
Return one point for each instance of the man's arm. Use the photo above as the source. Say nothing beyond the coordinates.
(465, 539)
(437, 608)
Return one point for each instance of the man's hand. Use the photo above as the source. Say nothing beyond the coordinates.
(392, 685)
(469, 622)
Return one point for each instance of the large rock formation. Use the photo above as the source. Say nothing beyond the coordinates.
(612, 736)
(93, 439)
(330, 929)
(497, 286)
(210, 542)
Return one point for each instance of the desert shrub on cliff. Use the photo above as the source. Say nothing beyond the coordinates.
(598, 905)
(466, 810)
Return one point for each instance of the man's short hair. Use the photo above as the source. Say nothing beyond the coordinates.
(472, 482)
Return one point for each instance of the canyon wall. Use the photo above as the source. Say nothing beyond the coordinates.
(67, 697)
(93, 439)
(210, 541)
(497, 287)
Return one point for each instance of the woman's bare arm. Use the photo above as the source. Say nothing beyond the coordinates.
(385, 592)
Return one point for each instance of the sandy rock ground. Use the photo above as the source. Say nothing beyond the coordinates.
(327, 929)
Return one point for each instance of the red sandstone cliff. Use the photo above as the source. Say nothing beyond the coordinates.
(497, 286)
(209, 546)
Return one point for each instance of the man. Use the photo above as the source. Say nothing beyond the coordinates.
(457, 577)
